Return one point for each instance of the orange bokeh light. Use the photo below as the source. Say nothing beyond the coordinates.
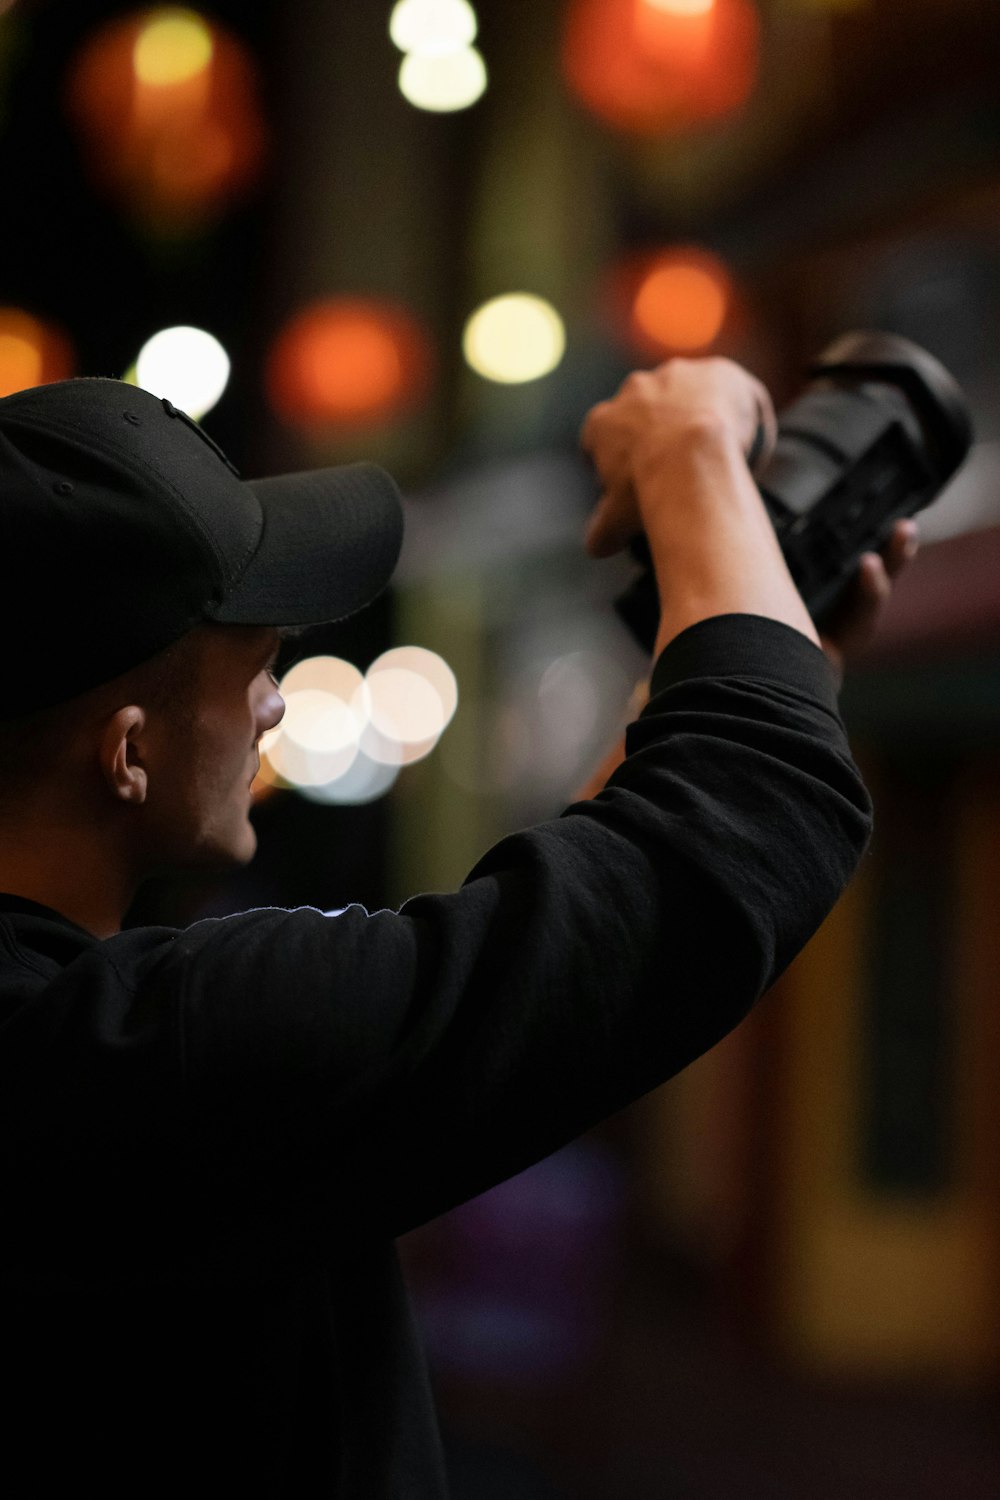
(648, 68)
(674, 301)
(349, 361)
(177, 151)
(31, 352)
(681, 306)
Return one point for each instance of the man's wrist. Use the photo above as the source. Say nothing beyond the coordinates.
(713, 547)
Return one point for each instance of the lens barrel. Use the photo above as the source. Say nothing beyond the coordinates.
(876, 434)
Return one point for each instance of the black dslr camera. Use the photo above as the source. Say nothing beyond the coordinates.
(879, 430)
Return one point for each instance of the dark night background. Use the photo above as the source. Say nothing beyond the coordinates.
(724, 1291)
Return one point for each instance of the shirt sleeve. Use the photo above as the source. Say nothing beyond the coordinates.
(397, 1063)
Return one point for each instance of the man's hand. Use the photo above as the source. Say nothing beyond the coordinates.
(670, 450)
(856, 620)
(638, 432)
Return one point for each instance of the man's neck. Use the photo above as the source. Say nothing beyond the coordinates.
(65, 871)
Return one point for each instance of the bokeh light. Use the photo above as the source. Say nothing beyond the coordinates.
(681, 7)
(319, 738)
(514, 338)
(316, 741)
(32, 352)
(172, 47)
(348, 362)
(443, 82)
(365, 780)
(326, 674)
(409, 697)
(187, 365)
(653, 66)
(418, 662)
(344, 736)
(166, 102)
(432, 26)
(678, 300)
(569, 696)
(681, 303)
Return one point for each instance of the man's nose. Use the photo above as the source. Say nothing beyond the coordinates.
(272, 711)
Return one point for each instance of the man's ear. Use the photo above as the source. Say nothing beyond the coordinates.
(120, 759)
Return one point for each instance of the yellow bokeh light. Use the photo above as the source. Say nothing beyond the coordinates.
(325, 674)
(187, 365)
(174, 46)
(404, 706)
(319, 722)
(408, 699)
(344, 736)
(682, 7)
(420, 662)
(317, 740)
(443, 82)
(514, 338)
(433, 27)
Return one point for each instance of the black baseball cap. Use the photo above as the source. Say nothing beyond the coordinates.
(123, 526)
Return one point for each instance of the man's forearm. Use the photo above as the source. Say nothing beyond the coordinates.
(713, 546)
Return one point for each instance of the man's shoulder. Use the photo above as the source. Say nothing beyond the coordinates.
(39, 942)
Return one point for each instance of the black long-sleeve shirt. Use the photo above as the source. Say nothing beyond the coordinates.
(211, 1137)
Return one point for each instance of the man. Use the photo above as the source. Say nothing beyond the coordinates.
(211, 1137)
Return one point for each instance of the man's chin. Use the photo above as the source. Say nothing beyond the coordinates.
(237, 853)
(212, 856)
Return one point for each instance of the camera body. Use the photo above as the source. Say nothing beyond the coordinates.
(877, 433)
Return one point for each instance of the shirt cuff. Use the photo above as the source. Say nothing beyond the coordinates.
(747, 646)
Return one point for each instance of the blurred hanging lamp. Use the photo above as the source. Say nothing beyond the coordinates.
(652, 67)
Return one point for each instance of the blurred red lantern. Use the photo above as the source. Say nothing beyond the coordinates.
(32, 352)
(653, 66)
(167, 104)
(348, 362)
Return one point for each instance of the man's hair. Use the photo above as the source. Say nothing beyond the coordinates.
(32, 747)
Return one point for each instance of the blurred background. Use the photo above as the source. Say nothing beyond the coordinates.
(432, 234)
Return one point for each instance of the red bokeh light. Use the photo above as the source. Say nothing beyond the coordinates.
(649, 70)
(679, 300)
(177, 152)
(32, 352)
(348, 362)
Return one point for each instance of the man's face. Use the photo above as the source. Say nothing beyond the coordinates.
(204, 757)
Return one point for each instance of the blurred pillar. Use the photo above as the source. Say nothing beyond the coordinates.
(361, 204)
(539, 220)
(535, 220)
(442, 823)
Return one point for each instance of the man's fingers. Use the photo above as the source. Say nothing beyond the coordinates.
(591, 423)
(875, 582)
(902, 547)
(767, 428)
(857, 618)
(612, 525)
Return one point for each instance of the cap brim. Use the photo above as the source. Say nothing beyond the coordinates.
(330, 541)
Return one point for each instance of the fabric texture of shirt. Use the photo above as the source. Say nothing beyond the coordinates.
(211, 1137)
